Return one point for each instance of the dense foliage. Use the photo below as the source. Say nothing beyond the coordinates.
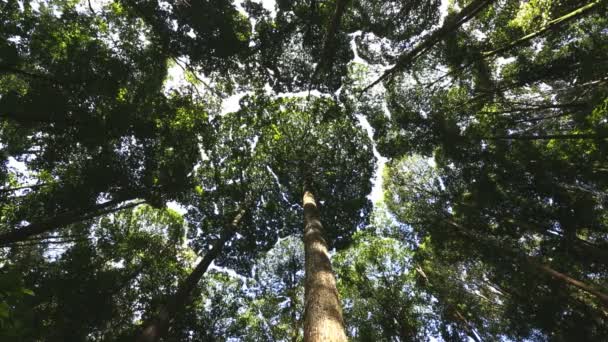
(154, 156)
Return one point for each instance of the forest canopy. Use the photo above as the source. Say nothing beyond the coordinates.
(303, 170)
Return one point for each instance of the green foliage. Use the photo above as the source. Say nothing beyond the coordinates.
(494, 120)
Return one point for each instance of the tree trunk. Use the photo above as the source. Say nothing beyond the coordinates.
(553, 24)
(533, 262)
(158, 326)
(327, 57)
(548, 136)
(601, 296)
(294, 317)
(467, 326)
(33, 186)
(322, 310)
(449, 26)
(582, 248)
(61, 220)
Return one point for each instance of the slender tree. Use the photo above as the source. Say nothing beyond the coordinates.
(157, 327)
(323, 312)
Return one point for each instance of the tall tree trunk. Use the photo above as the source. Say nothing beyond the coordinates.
(548, 136)
(322, 310)
(448, 27)
(584, 249)
(551, 25)
(294, 316)
(533, 262)
(61, 220)
(601, 296)
(32, 187)
(329, 47)
(293, 297)
(158, 326)
(468, 327)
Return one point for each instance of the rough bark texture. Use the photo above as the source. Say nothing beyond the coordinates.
(323, 313)
(158, 326)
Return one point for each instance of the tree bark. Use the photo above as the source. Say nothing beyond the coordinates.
(584, 249)
(158, 326)
(589, 250)
(7, 69)
(467, 326)
(530, 108)
(322, 310)
(61, 220)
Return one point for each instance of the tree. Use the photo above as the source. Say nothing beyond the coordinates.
(513, 268)
(492, 117)
(90, 285)
(103, 128)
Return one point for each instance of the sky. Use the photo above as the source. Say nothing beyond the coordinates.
(231, 104)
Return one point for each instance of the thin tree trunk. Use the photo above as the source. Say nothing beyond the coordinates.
(534, 263)
(584, 249)
(327, 55)
(547, 137)
(603, 298)
(7, 69)
(61, 220)
(449, 26)
(158, 326)
(530, 108)
(295, 321)
(322, 310)
(541, 118)
(33, 186)
(467, 326)
(47, 242)
(553, 24)
(587, 249)
(293, 296)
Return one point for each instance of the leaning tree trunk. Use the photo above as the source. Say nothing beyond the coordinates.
(449, 26)
(551, 25)
(322, 310)
(566, 279)
(536, 263)
(158, 326)
(62, 220)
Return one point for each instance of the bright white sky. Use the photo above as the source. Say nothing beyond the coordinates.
(231, 104)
